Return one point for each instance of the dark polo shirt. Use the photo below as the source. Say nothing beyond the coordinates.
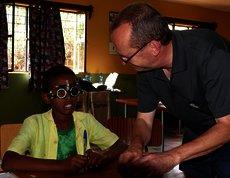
(199, 88)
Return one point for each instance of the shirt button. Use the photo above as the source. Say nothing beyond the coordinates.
(55, 142)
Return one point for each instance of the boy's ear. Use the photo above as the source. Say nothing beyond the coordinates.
(156, 47)
(46, 98)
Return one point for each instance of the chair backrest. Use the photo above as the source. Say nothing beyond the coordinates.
(7, 134)
(123, 128)
(156, 139)
(82, 102)
(99, 105)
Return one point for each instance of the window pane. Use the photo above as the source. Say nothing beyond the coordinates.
(9, 53)
(20, 39)
(9, 12)
(181, 28)
(73, 26)
(170, 27)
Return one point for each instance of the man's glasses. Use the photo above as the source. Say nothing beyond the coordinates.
(127, 60)
(61, 93)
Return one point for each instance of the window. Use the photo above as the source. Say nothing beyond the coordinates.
(182, 24)
(73, 25)
(181, 27)
(17, 37)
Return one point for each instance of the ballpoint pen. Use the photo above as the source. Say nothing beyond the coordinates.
(84, 144)
(85, 141)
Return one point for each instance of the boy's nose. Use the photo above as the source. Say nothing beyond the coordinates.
(68, 96)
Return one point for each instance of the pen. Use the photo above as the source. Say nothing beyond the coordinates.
(85, 141)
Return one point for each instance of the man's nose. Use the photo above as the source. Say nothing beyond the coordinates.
(123, 63)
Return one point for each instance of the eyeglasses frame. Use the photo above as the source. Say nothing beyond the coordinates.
(66, 91)
(126, 61)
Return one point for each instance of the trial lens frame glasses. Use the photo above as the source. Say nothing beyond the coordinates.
(61, 93)
(126, 61)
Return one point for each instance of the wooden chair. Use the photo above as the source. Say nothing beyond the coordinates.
(7, 134)
(123, 128)
(156, 139)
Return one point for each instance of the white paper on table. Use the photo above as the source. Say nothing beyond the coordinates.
(110, 80)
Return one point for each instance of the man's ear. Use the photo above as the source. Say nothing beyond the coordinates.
(156, 47)
(46, 97)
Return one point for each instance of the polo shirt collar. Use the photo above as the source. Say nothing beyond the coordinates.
(179, 53)
(179, 63)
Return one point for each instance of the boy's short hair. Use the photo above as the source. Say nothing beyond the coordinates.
(54, 72)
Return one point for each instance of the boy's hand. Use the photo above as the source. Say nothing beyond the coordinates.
(95, 159)
(73, 163)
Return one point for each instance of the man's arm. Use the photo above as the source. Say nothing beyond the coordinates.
(211, 140)
(158, 164)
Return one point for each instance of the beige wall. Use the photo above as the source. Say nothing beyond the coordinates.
(98, 57)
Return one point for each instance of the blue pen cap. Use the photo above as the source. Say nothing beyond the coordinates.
(85, 136)
(85, 141)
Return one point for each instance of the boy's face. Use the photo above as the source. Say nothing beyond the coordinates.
(65, 106)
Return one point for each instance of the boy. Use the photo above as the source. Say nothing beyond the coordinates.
(55, 139)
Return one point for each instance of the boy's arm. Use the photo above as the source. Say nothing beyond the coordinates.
(115, 150)
(96, 159)
(13, 161)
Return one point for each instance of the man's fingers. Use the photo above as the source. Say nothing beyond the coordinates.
(126, 157)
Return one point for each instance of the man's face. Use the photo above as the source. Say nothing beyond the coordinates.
(143, 60)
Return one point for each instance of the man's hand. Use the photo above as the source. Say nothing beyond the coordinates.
(129, 156)
(73, 163)
(152, 165)
(95, 159)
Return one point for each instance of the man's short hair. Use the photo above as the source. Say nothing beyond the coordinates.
(147, 24)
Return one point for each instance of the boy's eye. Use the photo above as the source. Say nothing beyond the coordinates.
(61, 92)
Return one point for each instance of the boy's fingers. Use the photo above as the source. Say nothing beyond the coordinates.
(89, 152)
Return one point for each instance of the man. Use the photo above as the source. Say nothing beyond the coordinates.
(189, 72)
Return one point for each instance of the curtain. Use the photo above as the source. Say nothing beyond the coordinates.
(4, 83)
(46, 43)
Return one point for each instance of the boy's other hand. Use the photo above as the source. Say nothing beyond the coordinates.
(95, 159)
(73, 163)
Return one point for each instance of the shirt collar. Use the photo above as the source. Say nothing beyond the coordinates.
(179, 53)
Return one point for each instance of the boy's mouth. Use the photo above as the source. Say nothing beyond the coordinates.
(68, 106)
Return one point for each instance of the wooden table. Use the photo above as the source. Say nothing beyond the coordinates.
(160, 107)
(117, 93)
(109, 171)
